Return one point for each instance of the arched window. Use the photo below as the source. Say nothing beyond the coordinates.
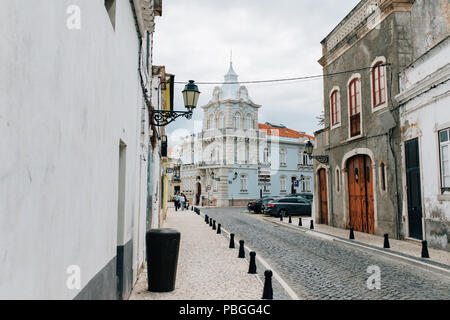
(248, 122)
(215, 185)
(383, 177)
(237, 121)
(354, 97)
(335, 104)
(243, 180)
(338, 180)
(308, 184)
(221, 121)
(378, 84)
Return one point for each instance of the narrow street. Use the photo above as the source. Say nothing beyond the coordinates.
(317, 268)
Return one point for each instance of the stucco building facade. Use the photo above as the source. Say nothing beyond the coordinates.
(75, 148)
(424, 101)
(361, 186)
(235, 158)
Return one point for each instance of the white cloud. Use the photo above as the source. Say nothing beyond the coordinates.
(269, 39)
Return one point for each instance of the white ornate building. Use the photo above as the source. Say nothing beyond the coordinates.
(235, 159)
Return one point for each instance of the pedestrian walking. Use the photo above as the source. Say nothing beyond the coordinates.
(183, 201)
(177, 201)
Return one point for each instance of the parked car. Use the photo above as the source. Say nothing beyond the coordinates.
(258, 205)
(294, 206)
(306, 195)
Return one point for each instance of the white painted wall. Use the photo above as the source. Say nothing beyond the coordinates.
(425, 112)
(66, 99)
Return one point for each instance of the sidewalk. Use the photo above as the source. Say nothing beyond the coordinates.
(403, 248)
(207, 268)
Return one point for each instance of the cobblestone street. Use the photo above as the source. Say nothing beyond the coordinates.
(317, 268)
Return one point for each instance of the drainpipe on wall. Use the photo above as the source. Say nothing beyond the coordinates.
(398, 214)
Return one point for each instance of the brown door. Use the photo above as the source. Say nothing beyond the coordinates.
(360, 186)
(323, 218)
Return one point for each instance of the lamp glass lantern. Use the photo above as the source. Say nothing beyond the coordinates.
(309, 148)
(191, 95)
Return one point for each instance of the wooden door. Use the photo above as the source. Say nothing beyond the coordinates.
(323, 201)
(360, 186)
(413, 186)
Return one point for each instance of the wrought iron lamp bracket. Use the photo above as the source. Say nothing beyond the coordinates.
(161, 118)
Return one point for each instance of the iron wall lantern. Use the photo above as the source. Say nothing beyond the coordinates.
(309, 150)
(191, 94)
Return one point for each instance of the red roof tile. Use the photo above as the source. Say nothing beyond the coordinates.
(282, 132)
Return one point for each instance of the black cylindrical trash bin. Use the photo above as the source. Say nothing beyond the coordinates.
(162, 259)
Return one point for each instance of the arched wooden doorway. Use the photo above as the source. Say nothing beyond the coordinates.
(323, 196)
(360, 190)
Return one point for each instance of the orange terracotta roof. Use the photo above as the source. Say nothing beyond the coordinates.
(282, 132)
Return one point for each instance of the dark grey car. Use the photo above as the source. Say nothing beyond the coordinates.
(294, 206)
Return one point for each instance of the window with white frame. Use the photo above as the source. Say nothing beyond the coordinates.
(248, 122)
(308, 184)
(221, 121)
(444, 155)
(215, 185)
(338, 180)
(378, 79)
(283, 155)
(383, 184)
(243, 180)
(354, 98)
(266, 155)
(283, 184)
(237, 121)
(335, 108)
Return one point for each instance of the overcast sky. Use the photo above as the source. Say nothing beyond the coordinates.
(269, 40)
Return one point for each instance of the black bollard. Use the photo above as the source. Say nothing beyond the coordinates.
(281, 217)
(231, 240)
(312, 225)
(210, 222)
(252, 266)
(206, 219)
(219, 230)
(300, 222)
(386, 241)
(352, 236)
(425, 249)
(214, 225)
(268, 291)
(241, 249)
(290, 219)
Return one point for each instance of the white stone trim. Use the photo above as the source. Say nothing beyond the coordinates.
(339, 107)
(353, 77)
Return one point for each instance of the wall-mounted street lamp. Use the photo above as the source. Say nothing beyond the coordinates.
(191, 94)
(309, 150)
(213, 176)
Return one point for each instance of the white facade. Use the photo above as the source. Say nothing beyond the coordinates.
(425, 114)
(73, 179)
(226, 162)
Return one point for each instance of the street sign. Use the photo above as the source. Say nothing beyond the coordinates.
(296, 183)
(208, 188)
